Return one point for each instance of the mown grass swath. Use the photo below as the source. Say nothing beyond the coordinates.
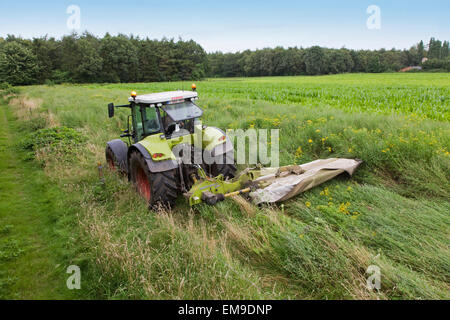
(393, 213)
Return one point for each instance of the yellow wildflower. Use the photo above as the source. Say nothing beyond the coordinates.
(299, 152)
(344, 208)
(324, 192)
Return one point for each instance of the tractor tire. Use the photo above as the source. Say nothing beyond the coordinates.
(227, 170)
(156, 188)
(111, 160)
(116, 156)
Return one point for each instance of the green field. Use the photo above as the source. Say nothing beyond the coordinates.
(394, 212)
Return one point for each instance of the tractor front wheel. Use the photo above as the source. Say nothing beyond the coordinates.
(155, 188)
(113, 162)
(111, 159)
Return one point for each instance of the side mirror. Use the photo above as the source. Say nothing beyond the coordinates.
(111, 110)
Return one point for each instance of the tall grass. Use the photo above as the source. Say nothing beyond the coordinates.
(393, 213)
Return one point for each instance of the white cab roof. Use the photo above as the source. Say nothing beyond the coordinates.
(161, 97)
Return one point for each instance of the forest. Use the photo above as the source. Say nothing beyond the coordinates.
(85, 58)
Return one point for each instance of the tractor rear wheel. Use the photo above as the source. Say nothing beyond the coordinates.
(227, 170)
(155, 188)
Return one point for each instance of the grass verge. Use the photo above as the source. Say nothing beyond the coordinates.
(35, 235)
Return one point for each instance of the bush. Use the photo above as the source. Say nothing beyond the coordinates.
(6, 89)
(60, 141)
(49, 82)
(59, 77)
(5, 86)
(437, 64)
(18, 64)
(53, 136)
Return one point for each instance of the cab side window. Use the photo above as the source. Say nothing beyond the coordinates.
(150, 120)
(139, 131)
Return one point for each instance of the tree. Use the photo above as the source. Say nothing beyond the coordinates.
(148, 61)
(445, 50)
(315, 60)
(191, 60)
(120, 59)
(392, 60)
(434, 49)
(339, 61)
(89, 65)
(374, 64)
(18, 64)
(46, 51)
(420, 51)
(167, 64)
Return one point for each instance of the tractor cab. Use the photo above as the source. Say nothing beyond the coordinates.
(171, 113)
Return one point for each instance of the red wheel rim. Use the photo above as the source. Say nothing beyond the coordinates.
(111, 164)
(143, 184)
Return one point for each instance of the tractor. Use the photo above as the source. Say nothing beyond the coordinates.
(167, 146)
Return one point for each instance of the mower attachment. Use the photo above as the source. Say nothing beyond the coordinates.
(269, 185)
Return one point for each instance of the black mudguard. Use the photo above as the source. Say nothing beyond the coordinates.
(120, 150)
(153, 166)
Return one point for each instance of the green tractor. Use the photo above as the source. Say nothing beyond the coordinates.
(167, 146)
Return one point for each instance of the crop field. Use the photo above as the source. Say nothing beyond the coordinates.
(394, 213)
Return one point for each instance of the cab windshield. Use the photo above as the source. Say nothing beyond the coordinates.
(183, 111)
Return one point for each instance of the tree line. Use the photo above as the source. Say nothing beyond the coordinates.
(85, 59)
(317, 60)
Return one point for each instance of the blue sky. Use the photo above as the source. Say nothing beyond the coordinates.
(238, 25)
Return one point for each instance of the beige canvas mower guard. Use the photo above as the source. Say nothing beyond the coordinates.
(270, 185)
(288, 184)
